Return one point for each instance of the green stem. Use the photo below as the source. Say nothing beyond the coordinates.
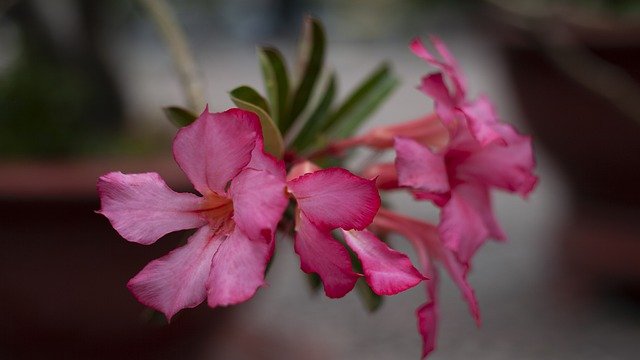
(176, 41)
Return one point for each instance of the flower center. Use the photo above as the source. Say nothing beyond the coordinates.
(218, 210)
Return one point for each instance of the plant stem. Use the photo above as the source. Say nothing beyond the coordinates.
(175, 40)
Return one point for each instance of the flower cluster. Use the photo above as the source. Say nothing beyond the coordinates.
(246, 196)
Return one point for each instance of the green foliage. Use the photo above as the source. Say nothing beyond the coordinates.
(248, 99)
(179, 116)
(276, 80)
(306, 117)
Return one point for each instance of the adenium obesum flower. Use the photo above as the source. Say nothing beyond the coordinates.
(459, 178)
(482, 153)
(242, 198)
(334, 198)
(453, 108)
(425, 240)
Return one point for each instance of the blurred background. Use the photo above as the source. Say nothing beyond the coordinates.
(82, 86)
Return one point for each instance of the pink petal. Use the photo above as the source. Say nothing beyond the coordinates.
(387, 271)
(477, 196)
(320, 253)
(448, 64)
(237, 270)
(458, 273)
(142, 208)
(419, 168)
(266, 162)
(445, 105)
(482, 120)
(428, 314)
(177, 280)
(259, 200)
(333, 198)
(385, 174)
(302, 168)
(440, 199)
(452, 69)
(509, 166)
(418, 48)
(216, 147)
(462, 228)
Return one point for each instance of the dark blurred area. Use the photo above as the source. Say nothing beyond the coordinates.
(82, 84)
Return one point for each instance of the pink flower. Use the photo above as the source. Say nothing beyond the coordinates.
(331, 199)
(458, 179)
(425, 240)
(452, 107)
(242, 199)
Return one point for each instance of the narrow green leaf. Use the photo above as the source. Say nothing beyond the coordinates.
(312, 48)
(313, 126)
(276, 79)
(250, 95)
(362, 102)
(248, 99)
(179, 116)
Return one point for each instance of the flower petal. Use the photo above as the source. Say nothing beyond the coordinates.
(386, 270)
(448, 64)
(142, 208)
(260, 160)
(385, 174)
(433, 85)
(452, 69)
(482, 120)
(509, 166)
(428, 314)
(419, 168)
(237, 270)
(259, 200)
(458, 273)
(462, 228)
(333, 198)
(216, 147)
(320, 253)
(177, 280)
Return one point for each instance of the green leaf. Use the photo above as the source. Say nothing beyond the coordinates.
(274, 72)
(312, 48)
(179, 116)
(362, 102)
(248, 99)
(314, 124)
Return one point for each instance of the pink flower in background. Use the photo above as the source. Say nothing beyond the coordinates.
(459, 177)
(242, 199)
(452, 106)
(425, 240)
(334, 198)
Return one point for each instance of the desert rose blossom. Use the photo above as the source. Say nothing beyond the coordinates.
(459, 177)
(431, 254)
(452, 105)
(331, 199)
(242, 198)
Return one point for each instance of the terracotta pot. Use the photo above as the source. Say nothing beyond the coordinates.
(63, 271)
